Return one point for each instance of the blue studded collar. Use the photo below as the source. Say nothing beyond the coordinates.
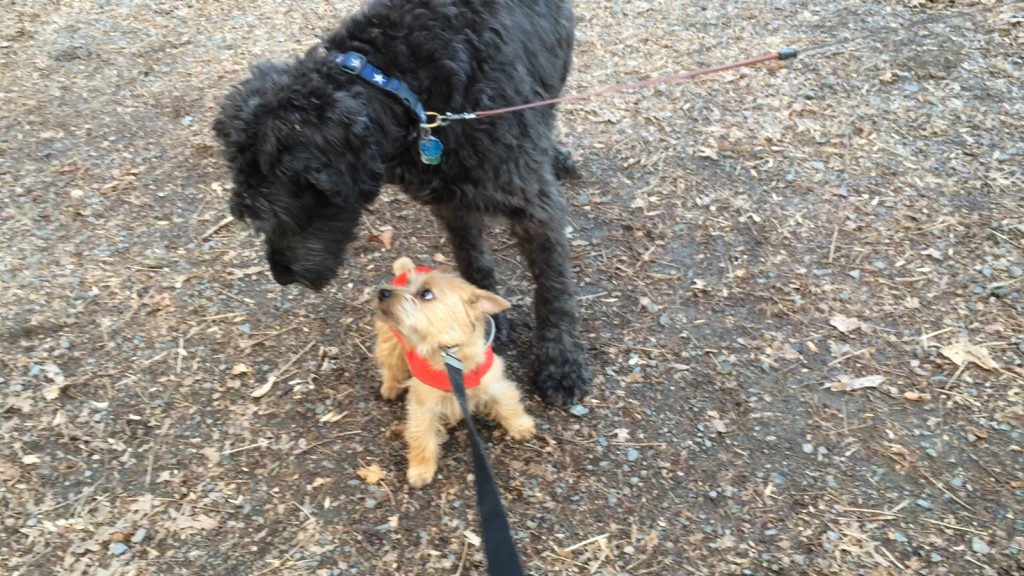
(356, 64)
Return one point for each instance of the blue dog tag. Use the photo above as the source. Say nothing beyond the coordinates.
(430, 150)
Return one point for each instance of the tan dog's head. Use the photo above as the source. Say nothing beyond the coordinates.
(435, 310)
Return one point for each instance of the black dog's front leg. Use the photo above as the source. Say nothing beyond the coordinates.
(466, 235)
(561, 375)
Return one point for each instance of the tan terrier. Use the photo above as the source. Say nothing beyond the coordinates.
(419, 316)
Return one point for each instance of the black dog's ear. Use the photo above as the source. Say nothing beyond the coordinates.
(346, 184)
(353, 172)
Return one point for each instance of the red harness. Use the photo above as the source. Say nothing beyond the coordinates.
(422, 369)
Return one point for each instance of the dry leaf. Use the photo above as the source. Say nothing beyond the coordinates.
(242, 272)
(159, 301)
(199, 522)
(30, 459)
(332, 417)
(385, 238)
(963, 351)
(262, 390)
(472, 537)
(393, 521)
(240, 369)
(897, 450)
(845, 324)
(55, 375)
(621, 434)
(8, 471)
(916, 396)
(977, 432)
(651, 540)
(212, 455)
(52, 392)
(790, 353)
(847, 384)
(371, 474)
(719, 426)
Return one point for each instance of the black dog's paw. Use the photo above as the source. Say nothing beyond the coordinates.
(561, 377)
(565, 166)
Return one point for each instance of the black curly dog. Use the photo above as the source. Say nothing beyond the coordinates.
(311, 143)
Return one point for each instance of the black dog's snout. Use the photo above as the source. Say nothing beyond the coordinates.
(384, 294)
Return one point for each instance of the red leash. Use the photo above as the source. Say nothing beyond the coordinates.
(442, 119)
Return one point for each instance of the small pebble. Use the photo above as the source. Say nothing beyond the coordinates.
(139, 535)
(979, 546)
(923, 503)
(808, 448)
(986, 272)
(1015, 271)
(712, 494)
(579, 410)
(855, 274)
(935, 558)
(957, 482)
(118, 548)
(632, 454)
(371, 503)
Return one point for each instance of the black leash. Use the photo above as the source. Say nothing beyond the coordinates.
(499, 548)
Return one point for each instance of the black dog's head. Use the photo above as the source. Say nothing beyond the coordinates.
(305, 162)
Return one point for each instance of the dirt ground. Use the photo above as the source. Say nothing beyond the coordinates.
(801, 286)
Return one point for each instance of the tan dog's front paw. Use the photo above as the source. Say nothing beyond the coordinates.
(522, 428)
(390, 390)
(420, 475)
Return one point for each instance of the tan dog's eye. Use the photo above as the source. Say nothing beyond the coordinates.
(426, 294)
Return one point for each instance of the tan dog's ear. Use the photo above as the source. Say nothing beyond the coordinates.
(402, 265)
(489, 303)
